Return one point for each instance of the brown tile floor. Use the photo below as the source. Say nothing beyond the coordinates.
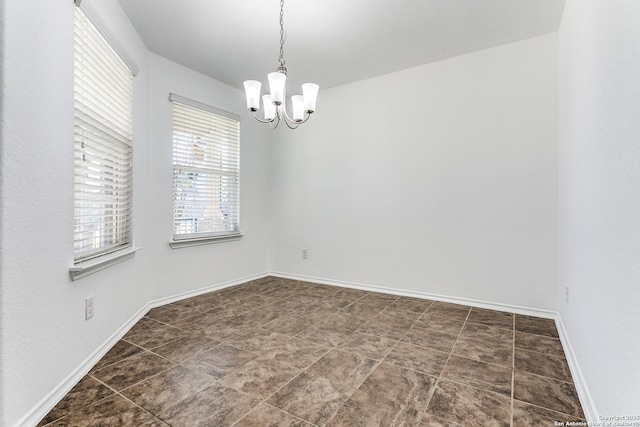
(277, 352)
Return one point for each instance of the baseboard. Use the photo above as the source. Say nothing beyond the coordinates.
(47, 403)
(588, 405)
(586, 400)
(527, 311)
(52, 399)
(178, 297)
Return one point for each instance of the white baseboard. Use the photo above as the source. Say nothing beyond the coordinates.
(586, 400)
(48, 402)
(588, 405)
(194, 293)
(52, 399)
(527, 311)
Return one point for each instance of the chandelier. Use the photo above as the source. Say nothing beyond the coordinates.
(274, 103)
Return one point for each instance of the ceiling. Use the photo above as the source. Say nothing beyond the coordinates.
(331, 42)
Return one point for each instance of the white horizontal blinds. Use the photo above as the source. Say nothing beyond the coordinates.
(206, 173)
(103, 127)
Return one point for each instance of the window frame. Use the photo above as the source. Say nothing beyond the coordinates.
(180, 240)
(87, 260)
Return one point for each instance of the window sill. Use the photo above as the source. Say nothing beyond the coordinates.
(177, 244)
(86, 268)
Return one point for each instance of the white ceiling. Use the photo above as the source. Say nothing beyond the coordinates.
(331, 42)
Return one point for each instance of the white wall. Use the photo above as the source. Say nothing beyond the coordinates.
(44, 337)
(181, 268)
(2, 125)
(599, 193)
(438, 179)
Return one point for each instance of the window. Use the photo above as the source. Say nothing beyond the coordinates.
(103, 127)
(206, 172)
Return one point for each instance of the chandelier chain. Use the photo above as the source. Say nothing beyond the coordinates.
(275, 108)
(282, 34)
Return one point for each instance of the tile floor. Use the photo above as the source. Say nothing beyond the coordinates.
(277, 352)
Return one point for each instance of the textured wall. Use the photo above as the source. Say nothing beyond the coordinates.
(45, 337)
(438, 179)
(36, 216)
(599, 211)
(181, 268)
(2, 127)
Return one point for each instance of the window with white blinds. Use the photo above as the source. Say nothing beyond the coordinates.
(206, 171)
(103, 127)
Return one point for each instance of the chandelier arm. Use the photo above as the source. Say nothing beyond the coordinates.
(290, 120)
(281, 109)
(261, 120)
(293, 124)
(289, 124)
(306, 118)
(286, 116)
(271, 122)
(276, 120)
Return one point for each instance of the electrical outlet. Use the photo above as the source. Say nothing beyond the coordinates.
(305, 253)
(88, 308)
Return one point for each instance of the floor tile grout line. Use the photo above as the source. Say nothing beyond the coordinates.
(546, 377)
(362, 355)
(471, 360)
(393, 348)
(440, 378)
(118, 360)
(103, 383)
(302, 370)
(490, 326)
(378, 362)
(397, 342)
(413, 324)
(264, 402)
(406, 332)
(141, 407)
(253, 294)
(464, 323)
(450, 353)
(155, 347)
(114, 393)
(85, 406)
(174, 364)
(549, 409)
(276, 392)
(455, 381)
(538, 352)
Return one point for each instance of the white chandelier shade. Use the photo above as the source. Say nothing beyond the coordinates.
(302, 106)
(310, 94)
(274, 103)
